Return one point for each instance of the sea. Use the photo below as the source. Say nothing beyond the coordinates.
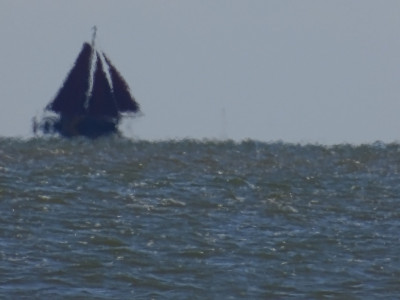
(118, 218)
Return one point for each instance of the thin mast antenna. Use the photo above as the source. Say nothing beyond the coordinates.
(94, 28)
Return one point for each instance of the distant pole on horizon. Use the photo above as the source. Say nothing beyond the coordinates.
(224, 133)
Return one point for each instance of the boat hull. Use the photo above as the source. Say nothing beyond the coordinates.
(87, 126)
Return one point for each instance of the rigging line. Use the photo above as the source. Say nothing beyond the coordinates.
(92, 69)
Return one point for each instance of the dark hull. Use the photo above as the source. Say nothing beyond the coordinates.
(86, 126)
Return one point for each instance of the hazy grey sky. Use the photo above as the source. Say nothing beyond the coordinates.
(297, 71)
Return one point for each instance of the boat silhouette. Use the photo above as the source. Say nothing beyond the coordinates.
(92, 100)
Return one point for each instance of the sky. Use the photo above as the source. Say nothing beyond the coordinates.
(306, 71)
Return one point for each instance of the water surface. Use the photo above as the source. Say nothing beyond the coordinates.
(124, 219)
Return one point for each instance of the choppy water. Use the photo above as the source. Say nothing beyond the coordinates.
(123, 219)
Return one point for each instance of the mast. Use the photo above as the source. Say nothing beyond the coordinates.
(124, 100)
(71, 96)
(94, 28)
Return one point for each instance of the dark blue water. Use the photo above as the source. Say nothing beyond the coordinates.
(123, 219)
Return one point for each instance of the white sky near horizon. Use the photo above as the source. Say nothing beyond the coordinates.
(296, 71)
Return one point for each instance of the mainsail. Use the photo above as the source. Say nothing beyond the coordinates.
(92, 98)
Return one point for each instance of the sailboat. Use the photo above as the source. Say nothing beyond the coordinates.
(92, 100)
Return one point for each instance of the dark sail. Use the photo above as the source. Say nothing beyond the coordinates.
(71, 97)
(101, 102)
(123, 98)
